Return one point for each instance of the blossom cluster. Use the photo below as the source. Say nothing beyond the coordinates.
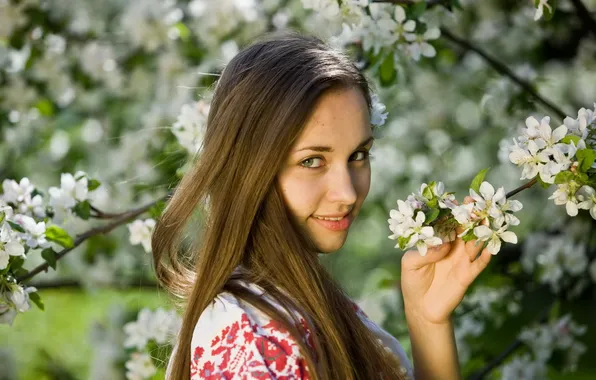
(432, 216)
(378, 26)
(140, 233)
(561, 261)
(558, 336)
(28, 223)
(160, 327)
(564, 156)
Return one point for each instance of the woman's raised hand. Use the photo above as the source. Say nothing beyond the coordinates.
(433, 285)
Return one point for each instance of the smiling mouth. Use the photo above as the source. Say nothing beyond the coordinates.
(335, 224)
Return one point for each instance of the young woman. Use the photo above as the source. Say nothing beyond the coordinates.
(282, 173)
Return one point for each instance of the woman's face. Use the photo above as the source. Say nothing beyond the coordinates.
(327, 172)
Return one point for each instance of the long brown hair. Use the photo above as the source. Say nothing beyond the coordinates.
(260, 105)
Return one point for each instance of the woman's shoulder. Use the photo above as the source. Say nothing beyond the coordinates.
(233, 337)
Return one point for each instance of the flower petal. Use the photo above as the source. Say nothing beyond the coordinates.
(483, 232)
(509, 237)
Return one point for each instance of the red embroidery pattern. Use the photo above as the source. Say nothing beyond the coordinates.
(244, 349)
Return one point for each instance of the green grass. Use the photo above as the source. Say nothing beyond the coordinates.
(63, 329)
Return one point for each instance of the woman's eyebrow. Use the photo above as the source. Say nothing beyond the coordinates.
(319, 148)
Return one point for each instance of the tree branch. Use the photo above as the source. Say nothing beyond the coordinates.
(516, 344)
(584, 14)
(73, 283)
(429, 3)
(504, 70)
(526, 185)
(121, 219)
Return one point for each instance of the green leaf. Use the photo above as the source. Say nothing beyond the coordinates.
(83, 210)
(183, 31)
(15, 226)
(58, 235)
(16, 263)
(564, 177)
(387, 71)
(431, 215)
(477, 181)
(403, 241)
(569, 138)
(417, 9)
(455, 4)
(45, 107)
(427, 192)
(157, 209)
(469, 236)
(49, 255)
(586, 158)
(93, 184)
(549, 13)
(36, 299)
(555, 311)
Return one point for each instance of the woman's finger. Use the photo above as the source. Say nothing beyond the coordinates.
(472, 248)
(481, 262)
(413, 259)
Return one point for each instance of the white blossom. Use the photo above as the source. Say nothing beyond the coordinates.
(16, 192)
(378, 114)
(138, 333)
(140, 233)
(190, 126)
(160, 326)
(7, 313)
(540, 9)
(494, 237)
(140, 366)
(419, 46)
(586, 196)
(9, 246)
(523, 367)
(328, 8)
(489, 202)
(34, 235)
(397, 27)
(72, 189)
(565, 195)
(421, 236)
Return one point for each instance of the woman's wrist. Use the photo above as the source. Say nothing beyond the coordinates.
(433, 347)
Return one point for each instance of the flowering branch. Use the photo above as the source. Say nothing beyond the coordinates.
(584, 14)
(122, 219)
(504, 70)
(98, 214)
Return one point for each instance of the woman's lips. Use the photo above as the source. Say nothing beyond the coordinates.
(336, 225)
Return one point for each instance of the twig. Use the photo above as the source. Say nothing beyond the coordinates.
(526, 185)
(584, 14)
(429, 3)
(123, 218)
(504, 70)
(73, 283)
(517, 343)
(104, 215)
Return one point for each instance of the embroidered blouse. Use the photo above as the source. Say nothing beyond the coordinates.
(235, 340)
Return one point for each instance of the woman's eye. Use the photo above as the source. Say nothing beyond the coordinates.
(361, 155)
(310, 163)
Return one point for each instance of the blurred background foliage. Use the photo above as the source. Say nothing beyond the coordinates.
(97, 86)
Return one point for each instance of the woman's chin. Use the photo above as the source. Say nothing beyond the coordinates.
(331, 244)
